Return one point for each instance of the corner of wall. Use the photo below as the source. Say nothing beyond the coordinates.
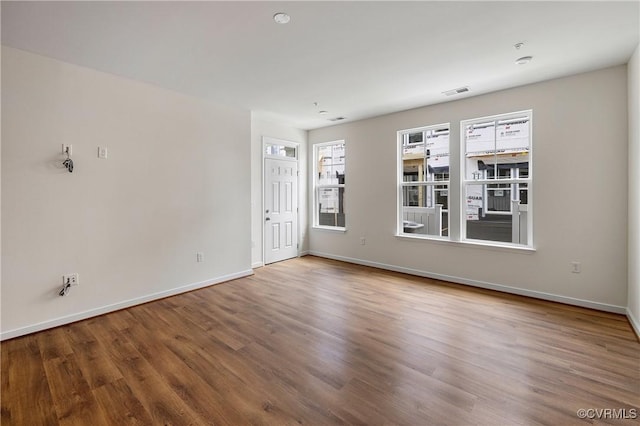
(633, 289)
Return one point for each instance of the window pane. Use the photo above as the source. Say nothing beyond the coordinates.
(424, 209)
(438, 142)
(512, 136)
(481, 225)
(413, 157)
(497, 149)
(414, 196)
(331, 164)
(331, 207)
(329, 180)
(280, 150)
(492, 149)
(425, 196)
(499, 198)
(425, 158)
(425, 154)
(437, 155)
(480, 139)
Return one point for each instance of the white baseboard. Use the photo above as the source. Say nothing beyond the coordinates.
(304, 253)
(481, 284)
(635, 324)
(120, 305)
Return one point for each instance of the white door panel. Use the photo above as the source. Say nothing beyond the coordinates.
(281, 210)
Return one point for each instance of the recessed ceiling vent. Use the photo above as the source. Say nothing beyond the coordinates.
(336, 119)
(456, 91)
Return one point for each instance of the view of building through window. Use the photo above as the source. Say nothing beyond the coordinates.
(329, 183)
(425, 180)
(497, 178)
(494, 174)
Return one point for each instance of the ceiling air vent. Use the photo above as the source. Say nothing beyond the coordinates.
(456, 91)
(336, 119)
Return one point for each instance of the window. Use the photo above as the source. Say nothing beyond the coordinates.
(496, 178)
(328, 182)
(279, 150)
(424, 181)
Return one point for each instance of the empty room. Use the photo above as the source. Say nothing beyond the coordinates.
(320, 213)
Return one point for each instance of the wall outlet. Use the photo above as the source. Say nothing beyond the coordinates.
(102, 152)
(363, 241)
(199, 257)
(71, 279)
(576, 267)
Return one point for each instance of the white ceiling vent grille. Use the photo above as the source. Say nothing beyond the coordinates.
(456, 91)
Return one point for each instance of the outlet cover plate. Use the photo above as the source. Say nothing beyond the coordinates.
(73, 279)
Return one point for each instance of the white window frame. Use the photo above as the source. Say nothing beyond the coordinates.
(513, 181)
(317, 187)
(430, 185)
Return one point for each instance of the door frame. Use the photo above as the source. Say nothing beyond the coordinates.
(267, 140)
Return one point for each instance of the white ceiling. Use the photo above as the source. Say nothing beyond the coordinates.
(356, 59)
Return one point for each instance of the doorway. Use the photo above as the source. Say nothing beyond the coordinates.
(280, 201)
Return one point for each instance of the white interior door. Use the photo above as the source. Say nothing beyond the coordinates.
(281, 210)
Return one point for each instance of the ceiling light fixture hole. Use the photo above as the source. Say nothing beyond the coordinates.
(524, 60)
(281, 18)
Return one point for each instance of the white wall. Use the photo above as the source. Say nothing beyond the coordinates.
(580, 213)
(633, 71)
(173, 185)
(262, 126)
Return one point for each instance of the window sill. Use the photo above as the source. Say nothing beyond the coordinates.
(504, 247)
(330, 228)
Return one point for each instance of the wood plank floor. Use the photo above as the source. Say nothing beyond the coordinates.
(318, 342)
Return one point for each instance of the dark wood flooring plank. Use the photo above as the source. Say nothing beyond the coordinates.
(188, 385)
(26, 396)
(53, 343)
(120, 405)
(148, 387)
(97, 369)
(5, 366)
(73, 400)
